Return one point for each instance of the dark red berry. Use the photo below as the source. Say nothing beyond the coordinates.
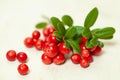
(84, 63)
(82, 46)
(92, 49)
(90, 58)
(28, 42)
(46, 59)
(85, 53)
(51, 50)
(46, 32)
(39, 44)
(52, 39)
(11, 55)
(84, 39)
(36, 34)
(97, 51)
(51, 29)
(59, 59)
(75, 58)
(22, 57)
(23, 69)
(63, 49)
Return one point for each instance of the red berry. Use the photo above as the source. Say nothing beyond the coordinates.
(84, 39)
(52, 39)
(51, 50)
(82, 46)
(75, 58)
(23, 69)
(63, 49)
(90, 58)
(28, 42)
(22, 57)
(85, 53)
(92, 49)
(97, 51)
(59, 59)
(11, 55)
(46, 59)
(84, 63)
(35, 34)
(46, 32)
(39, 44)
(51, 29)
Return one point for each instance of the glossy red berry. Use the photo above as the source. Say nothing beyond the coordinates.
(23, 69)
(46, 32)
(75, 58)
(11, 55)
(82, 46)
(84, 63)
(63, 49)
(22, 57)
(39, 44)
(90, 58)
(59, 59)
(92, 49)
(28, 42)
(52, 39)
(46, 59)
(97, 51)
(36, 34)
(85, 53)
(51, 50)
(51, 29)
(84, 39)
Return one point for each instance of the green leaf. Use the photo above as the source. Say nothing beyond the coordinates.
(67, 20)
(74, 45)
(41, 25)
(105, 33)
(55, 21)
(88, 44)
(67, 45)
(78, 30)
(101, 44)
(58, 35)
(91, 18)
(86, 33)
(95, 30)
(70, 33)
(94, 41)
(61, 28)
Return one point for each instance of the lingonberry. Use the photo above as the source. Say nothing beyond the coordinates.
(82, 46)
(51, 29)
(84, 63)
(92, 49)
(75, 58)
(51, 50)
(23, 69)
(11, 55)
(36, 34)
(59, 59)
(39, 44)
(63, 49)
(29, 42)
(46, 59)
(85, 53)
(52, 39)
(22, 57)
(97, 51)
(46, 32)
(84, 39)
(90, 58)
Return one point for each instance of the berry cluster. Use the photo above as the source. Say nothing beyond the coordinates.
(21, 57)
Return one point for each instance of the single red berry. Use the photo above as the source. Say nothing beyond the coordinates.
(51, 50)
(22, 57)
(11, 55)
(28, 42)
(75, 58)
(82, 46)
(46, 32)
(97, 51)
(85, 53)
(84, 39)
(90, 58)
(63, 49)
(59, 59)
(84, 63)
(51, 29)
(23, 69)
(36, 34)
(52, 39)
(39, 44)
(46, 59)
(92, 49)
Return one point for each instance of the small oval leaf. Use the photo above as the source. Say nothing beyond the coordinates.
(58, 35)
(91, 18)
(67, 20)
(86, 33)
(61, 28)
(41, 25)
